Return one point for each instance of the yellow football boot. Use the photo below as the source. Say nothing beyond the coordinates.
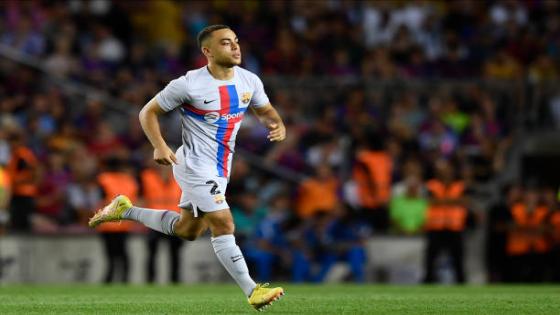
(112, 212)
(263, 297)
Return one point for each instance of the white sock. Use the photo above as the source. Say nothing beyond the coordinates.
(160, 220)
(232, 259)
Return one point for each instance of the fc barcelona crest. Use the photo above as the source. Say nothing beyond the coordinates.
(245, 97)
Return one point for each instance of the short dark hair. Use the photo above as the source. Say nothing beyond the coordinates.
(207, 31)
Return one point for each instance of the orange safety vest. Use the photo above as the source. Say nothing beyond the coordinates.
(4, 186)
(315, 196)
(158, 193)
(21, 169)
(4, 179)
(523, 242)
(113, 184)
(377, 172)
(446, 217)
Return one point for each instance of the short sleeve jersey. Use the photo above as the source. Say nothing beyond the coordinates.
(212, 111)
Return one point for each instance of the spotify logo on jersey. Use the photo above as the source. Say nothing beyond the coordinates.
(212, 117)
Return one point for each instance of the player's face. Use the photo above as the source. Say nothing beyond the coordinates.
(224, 49)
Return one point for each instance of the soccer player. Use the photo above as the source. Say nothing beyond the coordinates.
(213, 100)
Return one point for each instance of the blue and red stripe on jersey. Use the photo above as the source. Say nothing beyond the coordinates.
(230, 114)
(229, 104)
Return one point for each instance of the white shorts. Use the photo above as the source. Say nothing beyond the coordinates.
(201, 188)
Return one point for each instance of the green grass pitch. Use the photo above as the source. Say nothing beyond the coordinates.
(299, 299)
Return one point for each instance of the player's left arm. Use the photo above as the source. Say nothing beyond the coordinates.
(270, 118)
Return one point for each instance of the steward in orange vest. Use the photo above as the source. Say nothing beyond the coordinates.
(372, 174)
(446, 221)
(159, 189)
(446, 211)
(117, 179)
(115, 183)
(161, 192)
(23, 172)
(527, 244)
(318, 193)
(528, 233)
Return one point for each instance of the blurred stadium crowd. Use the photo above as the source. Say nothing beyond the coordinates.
(368, 152)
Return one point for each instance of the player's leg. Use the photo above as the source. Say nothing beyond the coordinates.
(184, 225)
(167, 222)
(221, 225)
(121, 208)
(159, 220)
(188, 226)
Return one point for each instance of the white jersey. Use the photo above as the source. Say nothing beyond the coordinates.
(212, 111)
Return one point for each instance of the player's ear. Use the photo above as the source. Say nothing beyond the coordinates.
(206, 51)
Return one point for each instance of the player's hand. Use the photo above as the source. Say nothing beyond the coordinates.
(277, 132)
(164, 156)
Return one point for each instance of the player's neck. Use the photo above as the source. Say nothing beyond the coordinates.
(220, 73)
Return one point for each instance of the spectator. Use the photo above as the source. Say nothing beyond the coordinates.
(104, 142)
(503, 66)
(247, 215)
(61, 63)
(329, 238)
(83, 196)
(408, 201)
(52, 190)
(270, 245)
(24, 38)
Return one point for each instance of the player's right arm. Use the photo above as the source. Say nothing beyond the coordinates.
(149, 121)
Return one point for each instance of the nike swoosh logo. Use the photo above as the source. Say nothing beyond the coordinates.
(208, 102)
(236, 258)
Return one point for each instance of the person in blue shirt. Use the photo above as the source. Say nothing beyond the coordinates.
(331, 238)
(272, 244)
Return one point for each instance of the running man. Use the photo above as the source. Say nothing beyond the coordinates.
(212, 100)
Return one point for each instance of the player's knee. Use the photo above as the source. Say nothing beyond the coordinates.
(223, 228)
(220, 222)
(190, 236)
(186, 234)
(183, 231)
